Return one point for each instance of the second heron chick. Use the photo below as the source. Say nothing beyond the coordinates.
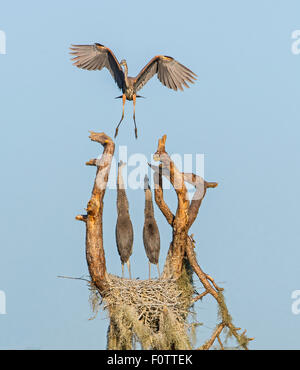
(151, 235)
(124, 230)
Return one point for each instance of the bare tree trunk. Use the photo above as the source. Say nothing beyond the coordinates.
(186, 213)
(95, 255)
(151, 325)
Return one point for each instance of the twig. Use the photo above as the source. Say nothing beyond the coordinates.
(200, 296)
(220, 343)
(215, 334)
(73, 278)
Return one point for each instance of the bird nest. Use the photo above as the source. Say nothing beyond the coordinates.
(150, 312)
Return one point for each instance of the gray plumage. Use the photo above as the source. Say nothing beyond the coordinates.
(170, 73)
(124, 230)
(151, 235)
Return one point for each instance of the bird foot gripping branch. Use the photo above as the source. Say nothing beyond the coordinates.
(154, 311)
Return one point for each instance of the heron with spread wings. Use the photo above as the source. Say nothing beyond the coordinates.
(169, 72)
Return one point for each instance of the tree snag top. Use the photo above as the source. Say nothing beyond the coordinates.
(180, 253)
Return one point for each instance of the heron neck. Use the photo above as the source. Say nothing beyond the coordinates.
(126, 74)
(149, 212)
(122, 201)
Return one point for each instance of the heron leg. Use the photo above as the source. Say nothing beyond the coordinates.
(149, 270)
(135, 129)
(122, 270)
(128, 265)
(124, 100)
(158, 270)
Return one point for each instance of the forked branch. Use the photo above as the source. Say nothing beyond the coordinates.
(182, 244)
(93, 219)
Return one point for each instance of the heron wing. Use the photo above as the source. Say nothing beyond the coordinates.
(97, 56)
(169, 72)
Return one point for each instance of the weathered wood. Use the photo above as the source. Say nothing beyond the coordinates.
(159, 197)
(215, 335)
(174, 262)
(201, 186)
(186, 212)
(182, 245)
(95, 255)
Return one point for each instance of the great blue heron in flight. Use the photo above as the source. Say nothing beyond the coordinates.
(124, 230)
(169, 72)
(151, 236)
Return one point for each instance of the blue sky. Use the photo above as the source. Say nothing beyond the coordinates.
(242, 114)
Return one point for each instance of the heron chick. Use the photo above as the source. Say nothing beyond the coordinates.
(124, 230)
(151, 236)
(170, 73)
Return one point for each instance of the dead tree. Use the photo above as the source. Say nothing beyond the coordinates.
(154, 312)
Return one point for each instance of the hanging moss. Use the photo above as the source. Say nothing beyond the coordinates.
(152, 313)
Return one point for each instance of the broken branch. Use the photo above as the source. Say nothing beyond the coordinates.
(94, 232)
